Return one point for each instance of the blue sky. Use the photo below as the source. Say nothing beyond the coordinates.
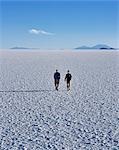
(58, 24)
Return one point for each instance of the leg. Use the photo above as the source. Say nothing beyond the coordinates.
(57, 84)
(68, 85)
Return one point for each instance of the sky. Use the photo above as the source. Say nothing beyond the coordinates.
(58, 24)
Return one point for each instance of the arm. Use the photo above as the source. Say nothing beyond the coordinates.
(54, 75)
(59, 75)
(65, 78)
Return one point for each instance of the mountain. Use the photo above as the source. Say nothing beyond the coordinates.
(20, 48)
(83, 47)
(98, 46)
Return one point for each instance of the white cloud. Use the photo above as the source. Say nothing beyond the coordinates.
(36, 31)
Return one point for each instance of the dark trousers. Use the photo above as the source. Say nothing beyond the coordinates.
(68, 83)
(56, 83)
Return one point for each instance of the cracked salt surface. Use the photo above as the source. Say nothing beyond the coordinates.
(33, 116)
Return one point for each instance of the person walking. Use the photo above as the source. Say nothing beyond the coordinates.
(68, 78)
(56, 79)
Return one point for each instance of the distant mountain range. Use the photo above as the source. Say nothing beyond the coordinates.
(20, 48)
(99, 46)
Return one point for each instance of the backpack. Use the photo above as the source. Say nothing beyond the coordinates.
(57, 75)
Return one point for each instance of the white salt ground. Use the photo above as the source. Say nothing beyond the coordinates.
(33, 116)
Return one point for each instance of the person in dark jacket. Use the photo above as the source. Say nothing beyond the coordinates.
(68, 78)
(56, 79)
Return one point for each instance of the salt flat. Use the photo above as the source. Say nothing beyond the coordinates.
(33, 116)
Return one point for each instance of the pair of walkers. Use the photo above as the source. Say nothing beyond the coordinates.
(68, 77)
